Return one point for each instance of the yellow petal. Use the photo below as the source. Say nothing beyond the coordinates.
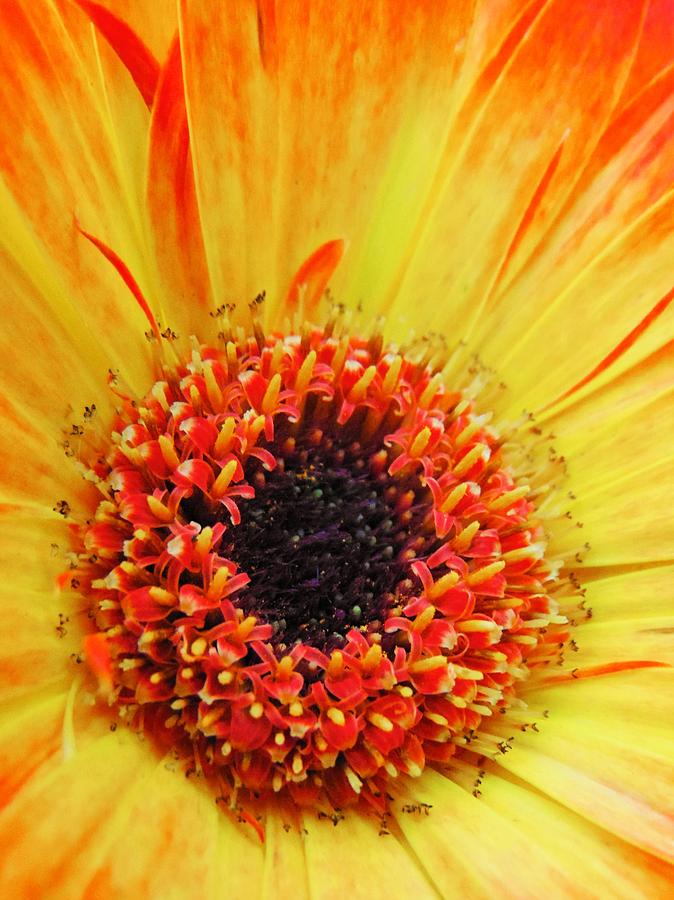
(351, 859)
(169, 839)
(284, 853)
(631, 619)
(47, 624)
(607, 752)
(512, 842)
(621, 471)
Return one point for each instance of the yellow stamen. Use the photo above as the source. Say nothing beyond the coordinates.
(485, 573)
(218, 583)
(212, 388)
(158, 510)
(442, 585)
(426, 665)
(162, 596)
(225, 438)
(204, 540)
(454, 497)
(380, 722)
(336, 715)
(195, 398)
(255, 429)
(353, 779)
(336, 664)
(532, 551)
(509, 498)
(468, 432)
(305, 372)
(245, 628)
(270, 399)
(430, 390)
(198, 647)
(372, 658)
(476, 625)
(359, 389)
(391, 379)
(420, 442)
(224, 479)
(256, 710)
(168, 452)
(424, 618)
(285, 667)
(158, 391)
(464, 538)
(212, 717)
(436, 719)
(479, 451)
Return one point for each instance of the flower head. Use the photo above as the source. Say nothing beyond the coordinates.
(335, 493)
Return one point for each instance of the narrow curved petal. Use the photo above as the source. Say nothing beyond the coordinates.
(156, 20)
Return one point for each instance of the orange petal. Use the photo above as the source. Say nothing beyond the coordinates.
(654, 54)
(29, 735)
(45, 636)
(234, 158)
(631, 624)
(64, 813)
(317, 136)
(618, 211)
(172, 204)
(566, 70)
(284, 851)
(138, 59)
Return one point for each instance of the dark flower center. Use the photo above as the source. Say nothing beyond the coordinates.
(323, 542)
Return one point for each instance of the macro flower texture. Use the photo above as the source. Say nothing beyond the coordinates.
(337, 366)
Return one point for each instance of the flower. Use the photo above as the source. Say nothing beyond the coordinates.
(501, 174)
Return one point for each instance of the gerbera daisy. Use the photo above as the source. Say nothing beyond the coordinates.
(336, 474)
